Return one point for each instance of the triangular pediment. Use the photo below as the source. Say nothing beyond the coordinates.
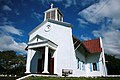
(37, 38)
(39, 41)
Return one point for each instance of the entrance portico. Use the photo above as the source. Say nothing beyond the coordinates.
(45, 60)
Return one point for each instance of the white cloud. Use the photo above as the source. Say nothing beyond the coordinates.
(17, 12)
(4, 21)
(11, 29)
(89, 14)
(107, 12)
(8, 42)
(82, 23)
(37, 16)
(69, 3)
(105, 8)
(111, 40)
(6, 8)
(85, 37)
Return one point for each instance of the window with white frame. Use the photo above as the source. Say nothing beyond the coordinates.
(94, 66)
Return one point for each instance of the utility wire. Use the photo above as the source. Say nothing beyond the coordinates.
(101, 8)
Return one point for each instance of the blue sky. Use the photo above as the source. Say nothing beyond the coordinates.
(90, 19)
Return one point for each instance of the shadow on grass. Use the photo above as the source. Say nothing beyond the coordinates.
(8, 78)
(69, 78)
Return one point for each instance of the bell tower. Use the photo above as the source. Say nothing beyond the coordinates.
(54, 14)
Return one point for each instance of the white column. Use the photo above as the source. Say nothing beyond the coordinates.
(46, 60)
(62, 18)
(56, 15)
(28, 62)
(44, 16)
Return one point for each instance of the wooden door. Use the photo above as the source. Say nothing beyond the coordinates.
(51, 66)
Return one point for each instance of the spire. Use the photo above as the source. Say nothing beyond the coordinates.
(54, 14)
(51, 5)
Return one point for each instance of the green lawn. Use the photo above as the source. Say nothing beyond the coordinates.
(61, 78)
(8, 78)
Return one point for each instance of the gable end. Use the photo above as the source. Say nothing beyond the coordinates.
(52, 21)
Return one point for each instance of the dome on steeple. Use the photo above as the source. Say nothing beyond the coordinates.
(54, 14)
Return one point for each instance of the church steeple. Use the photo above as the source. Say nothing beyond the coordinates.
(53, 13)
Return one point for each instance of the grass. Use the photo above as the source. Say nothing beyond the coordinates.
(68, 78)
(8, 78)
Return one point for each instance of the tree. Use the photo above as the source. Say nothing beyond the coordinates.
(12, 63)
(113, 65)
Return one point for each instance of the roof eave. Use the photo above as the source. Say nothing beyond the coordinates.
(51, 9)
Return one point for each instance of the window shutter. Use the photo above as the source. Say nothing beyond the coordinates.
(90, 67)
(98, 68)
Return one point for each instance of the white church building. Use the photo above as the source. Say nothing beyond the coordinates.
(52, 48)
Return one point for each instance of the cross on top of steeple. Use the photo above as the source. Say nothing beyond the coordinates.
(54, 14)
(51, 5)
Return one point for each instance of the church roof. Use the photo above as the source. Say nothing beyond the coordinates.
(52, 21)
(93, 46)
(51, 9)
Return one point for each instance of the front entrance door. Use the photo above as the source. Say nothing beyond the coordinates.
(51, 66)
(40, 66)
